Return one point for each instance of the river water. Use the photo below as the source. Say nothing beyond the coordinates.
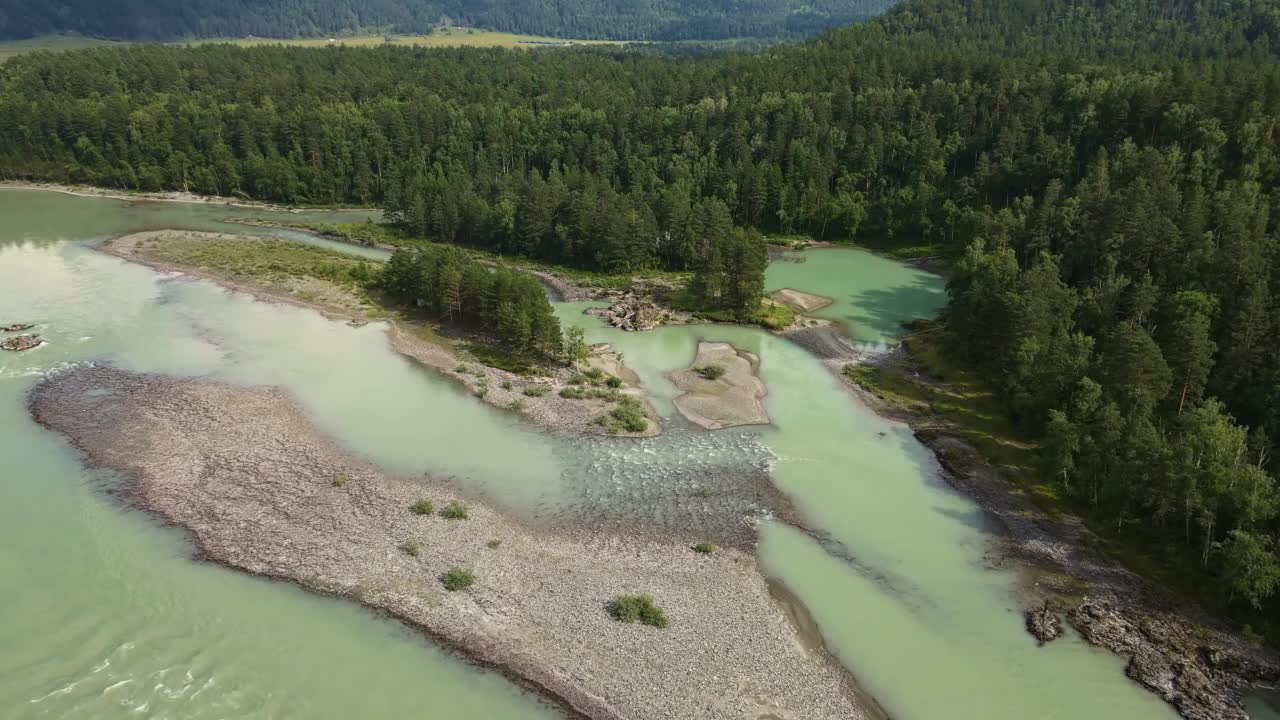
(107, 616)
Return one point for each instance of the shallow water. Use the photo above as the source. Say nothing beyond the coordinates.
(897, 582)
(871, 295)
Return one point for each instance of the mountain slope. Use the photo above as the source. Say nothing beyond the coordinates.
(609, 19)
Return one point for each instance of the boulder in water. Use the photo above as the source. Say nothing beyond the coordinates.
(1043, 623)
(21, 342)
(16, 327)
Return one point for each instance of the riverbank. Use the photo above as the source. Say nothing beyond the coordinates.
(324, 281)
(1187, 658)
(259, 489)
(170, 196)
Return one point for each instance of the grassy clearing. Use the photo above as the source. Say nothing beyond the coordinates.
(254, 259)
(442, 37)
(52, 43)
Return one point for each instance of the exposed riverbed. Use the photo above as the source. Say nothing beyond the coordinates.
(896, 582)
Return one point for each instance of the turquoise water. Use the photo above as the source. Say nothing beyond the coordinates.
(871, 295)
(897, 580)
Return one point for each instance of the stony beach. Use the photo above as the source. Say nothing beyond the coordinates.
(259, 489)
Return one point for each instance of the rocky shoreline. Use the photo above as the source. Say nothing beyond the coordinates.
(172, 196)
(260, 490)
(497, 387)
(1185, 657)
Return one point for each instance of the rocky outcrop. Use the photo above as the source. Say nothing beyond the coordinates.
(21, 342)
(1168, 657)
(16, 327)
(1043, 623)
(630, 312)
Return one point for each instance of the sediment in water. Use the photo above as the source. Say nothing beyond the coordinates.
(259, 489)
(494, 386)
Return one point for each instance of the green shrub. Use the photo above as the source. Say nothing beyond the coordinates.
(423, 507)
(506, 384)
(535, 390)
(519, 405)
(411, 547)
(573, 393)
(578, 379)
(630, 415)
(711, 372)
(482, 388)
(454, 511)
(638, 608)
(614, 381)
(595, 375)
(457, 579)
(462, 369)
(493, 544)
(340, 480)
(704, 548)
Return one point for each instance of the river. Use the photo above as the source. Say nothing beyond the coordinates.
(108, 616)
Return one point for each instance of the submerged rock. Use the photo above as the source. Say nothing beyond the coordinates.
(1043, 623)
(16, 327)
(21, 342)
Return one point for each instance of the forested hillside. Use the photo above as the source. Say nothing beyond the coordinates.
(1104, 174)
(602, 19)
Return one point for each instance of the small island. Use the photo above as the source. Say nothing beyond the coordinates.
(721, 388)
(609, 623)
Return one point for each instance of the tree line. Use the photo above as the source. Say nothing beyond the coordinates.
(600, 19)
(446, 284)
(1104, 175)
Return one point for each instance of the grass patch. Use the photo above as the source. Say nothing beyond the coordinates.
(710, 372)
(493, 544)
(519, 405)
(264, 259)
(340, 480)
(628, 416)
(411, 547)
(638, 608)
(457, 579)
(454, 511)
(423, 507)
(770, 315)
(704, 548)
(535, 390)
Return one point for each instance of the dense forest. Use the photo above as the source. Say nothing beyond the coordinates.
(448, 285)
(600, 19)
(1104, 176)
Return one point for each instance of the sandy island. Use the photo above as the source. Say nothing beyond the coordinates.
(494, 386)
(734, 397)
(801, 300)
(261, 490)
